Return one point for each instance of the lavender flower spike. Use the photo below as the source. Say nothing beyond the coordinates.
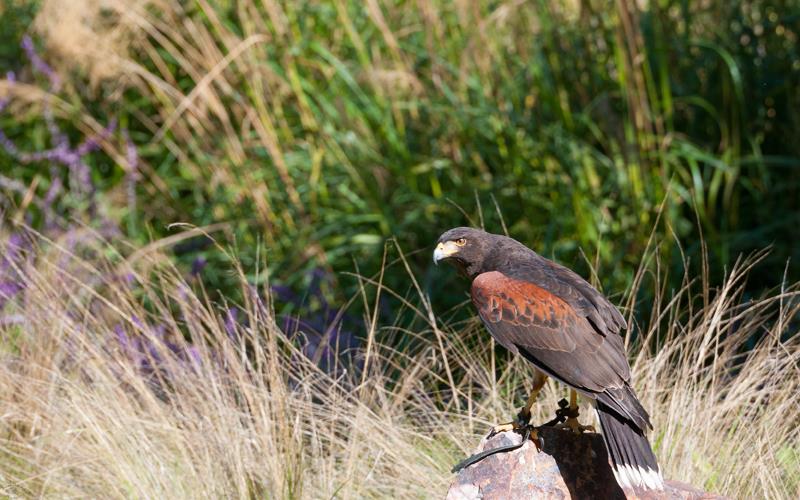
(39, 64)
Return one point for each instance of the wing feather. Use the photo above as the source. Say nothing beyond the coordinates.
(521, 263)
(528, 319)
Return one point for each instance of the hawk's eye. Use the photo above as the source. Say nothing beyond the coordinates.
(461, 242)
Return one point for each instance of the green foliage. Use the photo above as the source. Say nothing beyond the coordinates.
(15, 17)
(333, 126)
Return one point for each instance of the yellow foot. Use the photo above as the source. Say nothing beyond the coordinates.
(537, 441)
(520, 423)
(531, 431)
(497, 429)
(575, 426)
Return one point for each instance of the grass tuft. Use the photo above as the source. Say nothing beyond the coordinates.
(140, 387)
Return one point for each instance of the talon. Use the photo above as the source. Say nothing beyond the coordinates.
(538, 442)
(573, 425)
(570, 411)
(523, 418)
(497, 429)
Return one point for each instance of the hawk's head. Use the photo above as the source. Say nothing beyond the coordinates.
(465, 248)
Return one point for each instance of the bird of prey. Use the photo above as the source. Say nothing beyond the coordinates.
(567, 330)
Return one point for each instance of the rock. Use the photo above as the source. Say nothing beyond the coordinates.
(568, 466)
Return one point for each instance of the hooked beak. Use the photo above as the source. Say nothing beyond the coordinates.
(444, 250)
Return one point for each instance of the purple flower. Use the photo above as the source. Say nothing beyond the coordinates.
(151, 354)
(11, 251)
(7, 145)
(61, 152)
(8, 289)
(131, 156)
(137, 322)
(231, 320)
(39, 64)
(93, 142)
(322, 332)
(198, 265)
(193, 354)
(284, 294)
(11, 282)
(54, 189)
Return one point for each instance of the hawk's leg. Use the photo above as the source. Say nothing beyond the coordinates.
(524, 416)
(572, 416)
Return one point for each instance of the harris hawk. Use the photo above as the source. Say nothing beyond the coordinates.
(567, 330)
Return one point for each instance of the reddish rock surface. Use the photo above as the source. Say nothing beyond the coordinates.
(568, 466)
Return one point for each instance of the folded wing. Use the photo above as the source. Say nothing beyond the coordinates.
(560, 340)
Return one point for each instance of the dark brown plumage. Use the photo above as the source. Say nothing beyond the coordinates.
(566, 328)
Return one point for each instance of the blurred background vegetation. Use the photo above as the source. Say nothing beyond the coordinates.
(622, 136)
(307, 133)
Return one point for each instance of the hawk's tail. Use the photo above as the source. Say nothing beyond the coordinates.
(632, 459)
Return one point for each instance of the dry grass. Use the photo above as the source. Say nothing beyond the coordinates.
(251, 417)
